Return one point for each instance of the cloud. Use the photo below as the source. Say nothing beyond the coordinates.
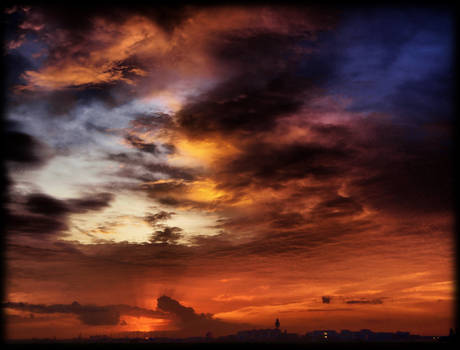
(76, 19)
(141, 145)
(336, 207)
(411, 185)
(40, 203)
(91, 315)
(184, 314)
(148, 169)
(185, 318)
(236, 106)
(410, 72)
(24, 149)
(163, 234)
(34, 225)
(266, 164)
(153, 219)
(95, 201)
(168, 235)
(153, 121)
(191, 322)
(288, 220)
(41, 215)
(127, 45)
(312, 158)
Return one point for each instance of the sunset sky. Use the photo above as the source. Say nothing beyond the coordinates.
(190, 169)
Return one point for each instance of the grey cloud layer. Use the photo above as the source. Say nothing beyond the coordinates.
(185, 318)
(88, 314)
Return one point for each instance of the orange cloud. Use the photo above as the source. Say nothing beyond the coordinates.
(98, 59)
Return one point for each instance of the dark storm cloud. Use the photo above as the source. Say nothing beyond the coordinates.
(169, 235)
(244, 104)
(141, 145)
(41, 215)
(299, 240)
(153, 219)
(163, 234)
(185, 318)
(270, 84)
(410, 186)
(184, 314)
(75, 27)
(339, 133)
(400, 61)
(425, 99)
(23, 149)
(100, 264)
(76, 18)
(400, 176)
(34, 225)
(338, 206)
(164, 188)
(147, 123)
(92, 202)
(191, 322)
(149, 168)
(268, 51)
(272, 51)
(268, 164)
(174, 172)
(88, 314)
(40, 203)
(169, 201)
(406, 169)
(153, 121)
(287, 220)
(167, 17)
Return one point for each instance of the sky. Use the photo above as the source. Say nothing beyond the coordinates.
(179, 170)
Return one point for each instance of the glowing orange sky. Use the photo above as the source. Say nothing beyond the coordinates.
(218, 156)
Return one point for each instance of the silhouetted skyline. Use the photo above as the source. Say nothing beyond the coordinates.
(270, 335)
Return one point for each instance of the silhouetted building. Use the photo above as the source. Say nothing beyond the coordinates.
(277, 323)
(346, 335)
(322, 335)
(259, 334)
(264, 336)
(363, 335)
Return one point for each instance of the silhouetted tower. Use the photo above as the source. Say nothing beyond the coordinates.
(277, 323)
